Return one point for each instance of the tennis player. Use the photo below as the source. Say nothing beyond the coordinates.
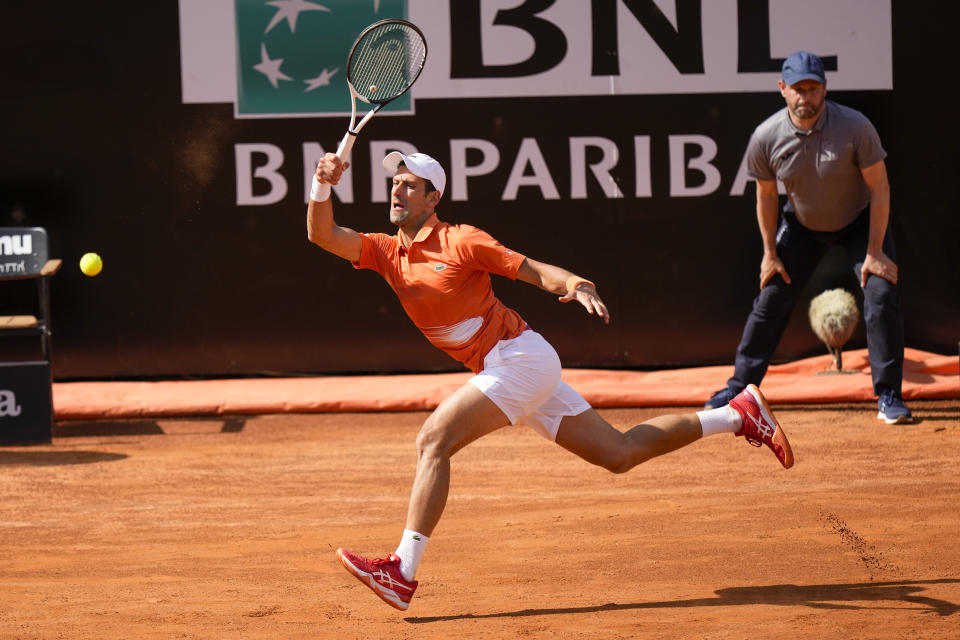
(441, 274)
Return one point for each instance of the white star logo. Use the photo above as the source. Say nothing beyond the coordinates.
(270, 68)
(292, 57)
(290, 9)
(321, 80)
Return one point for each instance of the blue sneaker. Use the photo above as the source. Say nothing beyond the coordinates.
(720, 399)
(892, 409)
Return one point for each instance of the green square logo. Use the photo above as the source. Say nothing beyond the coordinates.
(292, 55)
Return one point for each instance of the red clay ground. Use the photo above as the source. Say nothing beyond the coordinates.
(226, 528)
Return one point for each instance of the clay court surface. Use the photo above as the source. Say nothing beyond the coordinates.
(226, 528)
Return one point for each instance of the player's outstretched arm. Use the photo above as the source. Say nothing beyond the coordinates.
(322, 230)
(565, 284)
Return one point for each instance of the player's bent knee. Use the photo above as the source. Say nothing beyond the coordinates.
(434, 440)
(428, 440)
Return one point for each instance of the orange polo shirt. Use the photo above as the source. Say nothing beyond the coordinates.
(443, 283)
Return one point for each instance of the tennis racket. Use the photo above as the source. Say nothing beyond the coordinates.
(384, 62)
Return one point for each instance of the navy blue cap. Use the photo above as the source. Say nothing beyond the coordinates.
(803, 65)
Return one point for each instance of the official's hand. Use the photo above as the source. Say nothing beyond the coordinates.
(586, 294)
(330, 168)
(771, 266)
(879, 265)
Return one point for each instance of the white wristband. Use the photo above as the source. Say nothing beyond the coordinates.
(320, 191)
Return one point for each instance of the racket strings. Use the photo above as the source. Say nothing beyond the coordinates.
(386, 67)
(386, 62)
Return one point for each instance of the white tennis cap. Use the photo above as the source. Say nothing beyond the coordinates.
(419, 164)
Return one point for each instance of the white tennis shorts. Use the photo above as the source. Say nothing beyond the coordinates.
(522, 377)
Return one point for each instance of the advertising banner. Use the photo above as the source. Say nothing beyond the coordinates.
(604, 136)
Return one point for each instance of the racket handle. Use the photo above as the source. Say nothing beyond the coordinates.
(343, 151)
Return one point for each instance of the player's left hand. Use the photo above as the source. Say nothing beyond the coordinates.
(880, 265)
(586, 294)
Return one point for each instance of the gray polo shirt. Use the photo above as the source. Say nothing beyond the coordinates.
(820, 168)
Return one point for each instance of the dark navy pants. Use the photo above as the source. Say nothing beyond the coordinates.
(801, 250)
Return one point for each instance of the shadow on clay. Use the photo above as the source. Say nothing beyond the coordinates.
(868, 595)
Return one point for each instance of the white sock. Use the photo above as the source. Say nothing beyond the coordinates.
(721, 420)
(411, 548)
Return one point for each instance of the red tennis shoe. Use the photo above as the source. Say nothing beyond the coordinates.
(382, 575)
(759, 425)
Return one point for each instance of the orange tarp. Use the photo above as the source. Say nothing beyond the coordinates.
(926, 376)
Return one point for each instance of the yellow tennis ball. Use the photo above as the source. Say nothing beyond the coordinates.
(91, 264)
